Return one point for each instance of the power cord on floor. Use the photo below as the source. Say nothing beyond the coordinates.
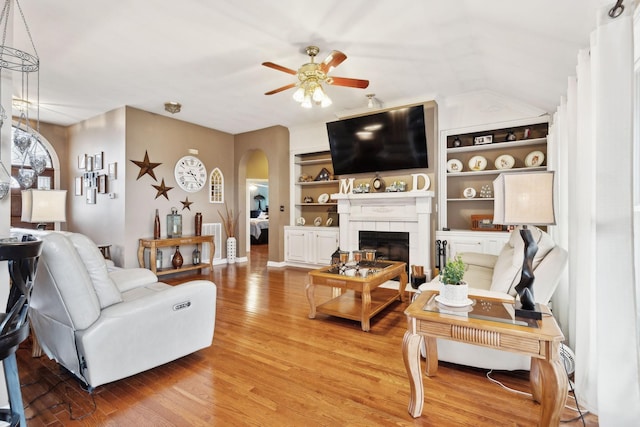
(68, 404)
(572, 395)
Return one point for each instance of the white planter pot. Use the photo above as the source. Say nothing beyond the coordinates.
(455, 293)
(231, 250)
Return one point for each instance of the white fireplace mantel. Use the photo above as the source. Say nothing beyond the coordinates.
(394, 211)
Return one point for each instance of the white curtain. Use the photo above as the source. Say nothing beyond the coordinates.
(595, 220)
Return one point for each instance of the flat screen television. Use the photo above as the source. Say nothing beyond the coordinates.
(391, 140)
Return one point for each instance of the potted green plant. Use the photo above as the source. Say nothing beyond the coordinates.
(454, 290)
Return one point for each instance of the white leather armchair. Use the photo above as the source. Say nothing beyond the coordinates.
(497, 276)
(104, 323)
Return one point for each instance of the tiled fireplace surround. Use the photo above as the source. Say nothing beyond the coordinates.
(403, 211)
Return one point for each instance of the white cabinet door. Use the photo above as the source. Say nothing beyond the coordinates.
(296, 245)
(325, 244)
(473, 241)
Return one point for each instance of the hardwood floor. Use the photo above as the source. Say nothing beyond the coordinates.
(269, 365)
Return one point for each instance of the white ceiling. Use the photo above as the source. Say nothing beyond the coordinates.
(100, 55)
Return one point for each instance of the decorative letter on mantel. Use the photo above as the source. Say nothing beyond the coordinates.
(346, 186)
(425, 177)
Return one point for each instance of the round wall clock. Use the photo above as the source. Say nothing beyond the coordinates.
(190, 174)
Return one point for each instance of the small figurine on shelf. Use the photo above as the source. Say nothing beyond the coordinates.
(456, 142)
(486, 191)
(511, 136)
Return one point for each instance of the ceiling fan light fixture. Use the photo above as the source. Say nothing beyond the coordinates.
(318, 94)
(307, 102)
(326, 101)
(298, 95)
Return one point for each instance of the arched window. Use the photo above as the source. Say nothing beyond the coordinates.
(216, 184)
(28, 152)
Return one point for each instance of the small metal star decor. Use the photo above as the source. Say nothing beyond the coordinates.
(146, 167)
(162, 190)
(186, 204)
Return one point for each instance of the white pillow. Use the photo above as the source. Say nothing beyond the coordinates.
(106, 289)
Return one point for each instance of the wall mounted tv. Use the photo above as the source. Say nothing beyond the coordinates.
(391, 140)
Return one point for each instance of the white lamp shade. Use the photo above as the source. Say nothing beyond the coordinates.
(44, 205)
(524, 198)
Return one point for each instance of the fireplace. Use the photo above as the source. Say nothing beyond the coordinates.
(407, 212)
(389, 245)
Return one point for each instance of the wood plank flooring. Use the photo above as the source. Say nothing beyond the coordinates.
(269, 365)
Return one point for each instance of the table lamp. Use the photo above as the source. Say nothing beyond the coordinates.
(524, 199)
(44, 206)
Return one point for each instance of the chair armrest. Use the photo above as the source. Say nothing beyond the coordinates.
(479, 259)
(130, 278)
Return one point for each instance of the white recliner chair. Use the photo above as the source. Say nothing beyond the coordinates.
(104, 323)
(497, 276)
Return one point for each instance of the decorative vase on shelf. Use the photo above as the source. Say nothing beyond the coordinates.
(231, 250)
(158, 259)
(156, 226)
(198, 223)
(177, 259)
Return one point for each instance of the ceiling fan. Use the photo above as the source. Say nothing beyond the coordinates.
(311, 76)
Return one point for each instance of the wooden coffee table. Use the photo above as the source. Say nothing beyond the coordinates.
(354, 297)
(540, 339)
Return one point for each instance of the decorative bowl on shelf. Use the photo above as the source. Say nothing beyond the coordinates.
(469, 193)
(454, 165)
(477, 163)
(505, 161)
(534, 158)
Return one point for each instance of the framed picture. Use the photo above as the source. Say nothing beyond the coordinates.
(484, 139)
(97, 161)
(82, 161)
(102, 184)
(89, 164)
(78, 186)
(91, 195)
(113, 171)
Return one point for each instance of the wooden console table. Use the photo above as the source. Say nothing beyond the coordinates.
(428, 321)
(154, 244)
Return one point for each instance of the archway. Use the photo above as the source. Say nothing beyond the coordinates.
(256, 200)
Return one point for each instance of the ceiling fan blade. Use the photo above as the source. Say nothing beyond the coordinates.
(334, 59)
(344, 81)
(279, 68)
(280, 89)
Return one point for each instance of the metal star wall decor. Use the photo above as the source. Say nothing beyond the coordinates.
(186, 204)
(162, 190)
(146, 167)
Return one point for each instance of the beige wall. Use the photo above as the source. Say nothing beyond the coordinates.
(274, 142)
(257, 165)
(103, 221)
(124, 135)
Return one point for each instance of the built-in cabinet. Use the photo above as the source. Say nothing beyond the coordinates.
(310, 246)
(470, 159)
